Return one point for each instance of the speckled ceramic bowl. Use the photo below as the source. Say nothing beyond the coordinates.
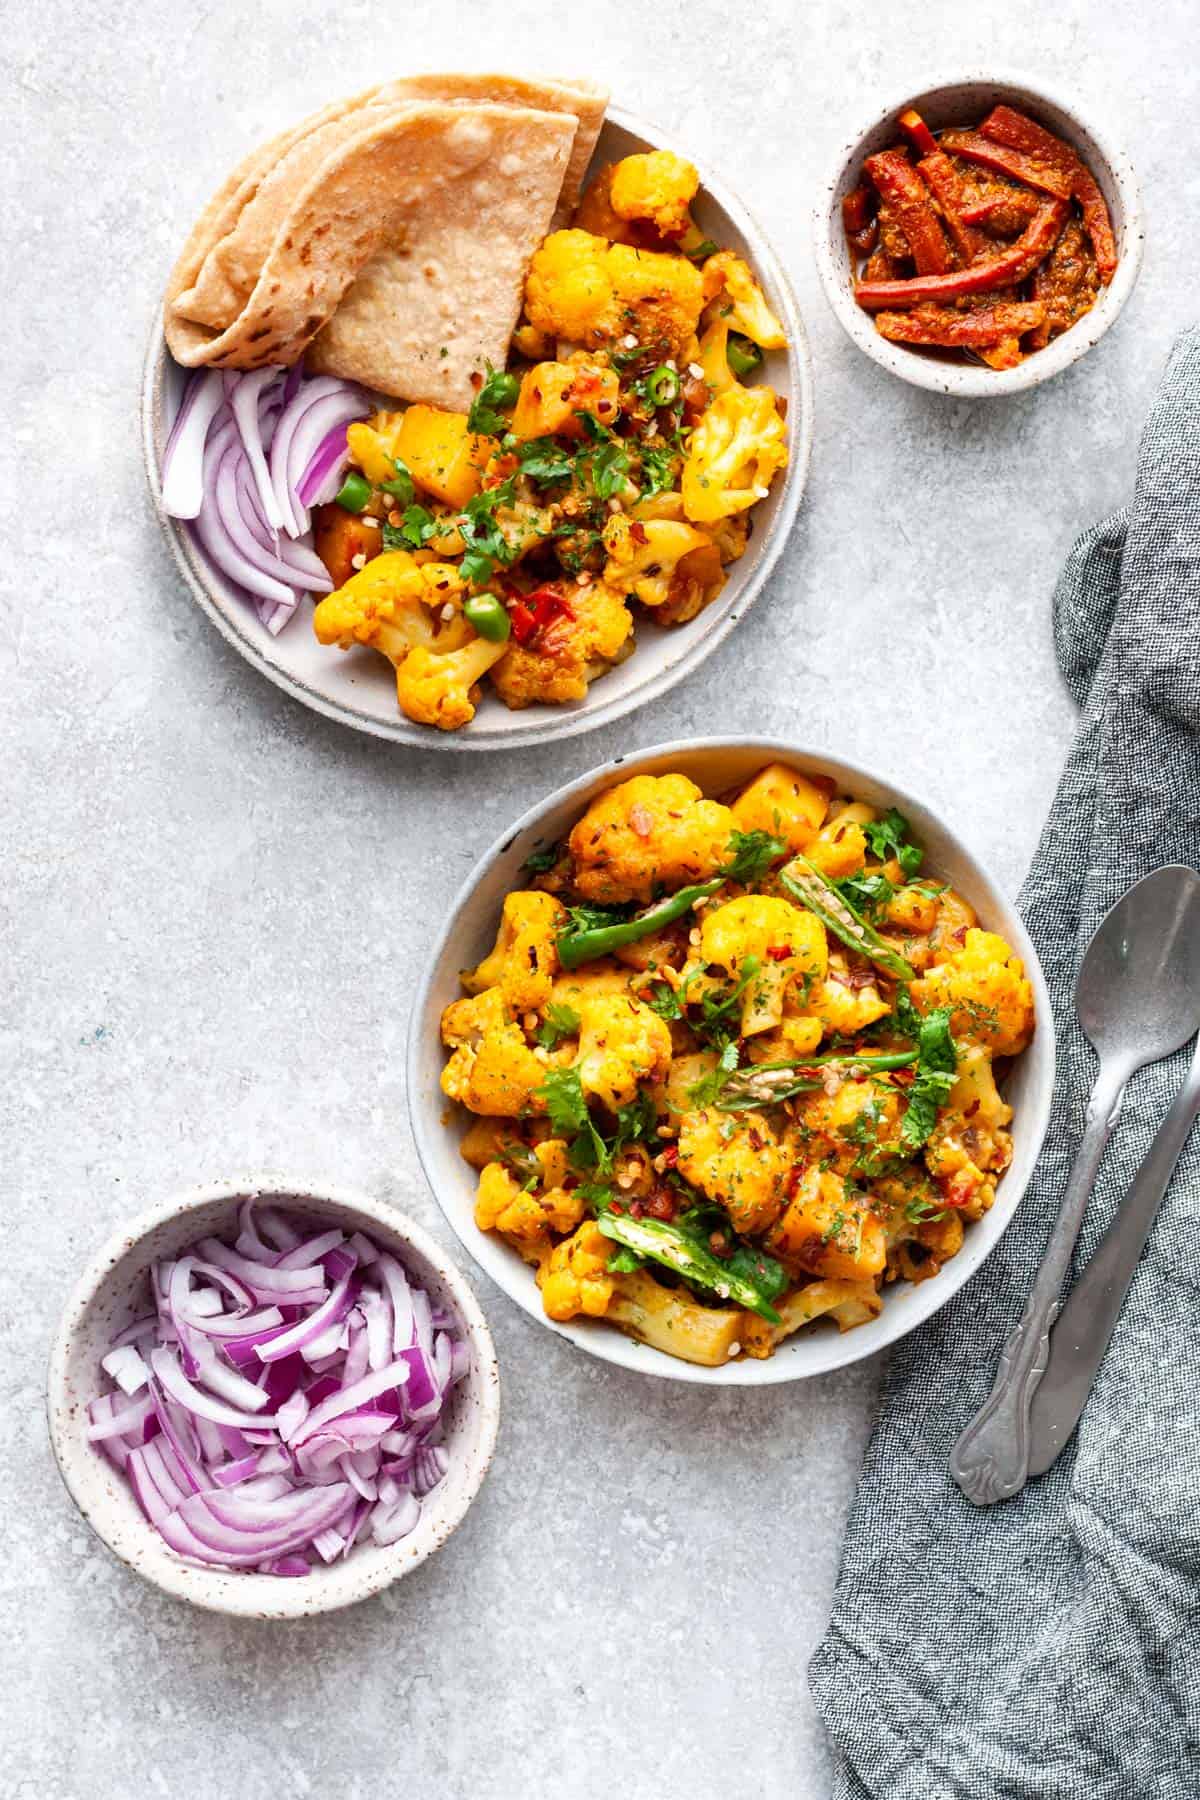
(359, 688)
(111, 1293)
(714, 764)
(963, 101)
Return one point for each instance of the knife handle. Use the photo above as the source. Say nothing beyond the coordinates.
(1086, 1322)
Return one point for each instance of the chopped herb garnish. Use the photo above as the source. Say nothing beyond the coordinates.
(500, 390)
(888, 837)
(560, 1022)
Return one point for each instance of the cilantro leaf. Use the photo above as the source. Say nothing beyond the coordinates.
(705, 1091)
(486, 543)
(499, 390)
(887, 837)
(751, 854)
(544, 461)
(414, 531)
(560, 1022)
(937, 1064)
(540, 861)
(624, 1262)
(401, 486)
(658, 471)
(567, 1111)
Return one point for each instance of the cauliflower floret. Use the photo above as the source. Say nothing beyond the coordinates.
(787, 946)
(657, 185)
(785, 803)
(502, 1205)
(649, 832)
(984, 984)
(437, 689)
(579, 646)
(733, 454)
(741, 303)
(621, 1045)
(742, 1169)
(846, 1006)
(644, 558)
(970, 1142)
(859, 1122)
(827, 1231)
(492, 1071)
(591, 292)
(392, 605)
(524, 959)
(840, 847)
(575, 1277)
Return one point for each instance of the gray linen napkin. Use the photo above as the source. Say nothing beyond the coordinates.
(1047, 1648)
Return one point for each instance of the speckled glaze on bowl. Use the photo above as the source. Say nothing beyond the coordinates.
(962, 100)
(111, 1293)
(715, 764)
(358, 687)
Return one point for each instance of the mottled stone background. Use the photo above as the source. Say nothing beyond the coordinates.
(214, 905)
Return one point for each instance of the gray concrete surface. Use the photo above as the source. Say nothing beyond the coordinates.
(214, 904)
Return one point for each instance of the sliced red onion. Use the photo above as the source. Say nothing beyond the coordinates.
(319, 406)
(322, 480)
(183, 485)
(241, 1451)
(244, 394)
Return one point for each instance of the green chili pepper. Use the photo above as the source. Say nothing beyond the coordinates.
(354, 493)
(807, 884)
(742, 354)
(769, 1083)
(662, 386)
(488, 616)
(584, 944)
(677, 1249)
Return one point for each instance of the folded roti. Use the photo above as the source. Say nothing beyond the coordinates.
(457, 195)
(240, 226)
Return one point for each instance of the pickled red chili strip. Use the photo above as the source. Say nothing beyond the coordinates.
(983, 329)
(917, 131)
(859, 221)
(902, 189)
(1066, 283)
(941, 178)
(1009, 208)
(1004, 125)
(1034, 171)
(1012, 265)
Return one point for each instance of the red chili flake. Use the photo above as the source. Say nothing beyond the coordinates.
(662, 1204)
(637, 532)
(793, 1178)
(641, 821)
(971, 1110)
(670, 1156)
(960, 936)
(778, 952)
(637, 1209)
(617, 1207)
(531, 616)
(756, 1138)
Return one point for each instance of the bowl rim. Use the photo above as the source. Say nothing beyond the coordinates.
(499, 1262)
(191, 1582)
(551, 723)
(961, 380)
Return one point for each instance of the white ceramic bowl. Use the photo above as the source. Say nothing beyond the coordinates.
(359, 688)
(715, 765)
(965, 100)
(112, 1292)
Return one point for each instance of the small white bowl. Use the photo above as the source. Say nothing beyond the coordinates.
(964, 101)
(714, 764)
(112, 1292)
(358, 687)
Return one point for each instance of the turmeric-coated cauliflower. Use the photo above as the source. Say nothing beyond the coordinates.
(733, 454)
(502, 1205)
(774, 943)
(591, 292)
(621, 1045)
(524, 959)
(970, 1144)
(826, 1230)
(643, 558)
(737, 1162)
(393, 604)
(846, 1005)
(656, 185)
(575, 1279)
(653, 831)
(983, 982)
(437, 689)
(492, 1071)
(740, 302)
(558, 663)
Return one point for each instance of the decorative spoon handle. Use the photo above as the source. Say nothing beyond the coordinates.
(990, 1461)
(1089, 1316)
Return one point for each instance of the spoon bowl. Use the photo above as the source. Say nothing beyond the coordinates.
(1138, 989)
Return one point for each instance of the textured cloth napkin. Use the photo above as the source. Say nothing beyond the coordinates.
(1047, 1648)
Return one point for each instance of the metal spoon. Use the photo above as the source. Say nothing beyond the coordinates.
(1090, 1313)
(1138, 999)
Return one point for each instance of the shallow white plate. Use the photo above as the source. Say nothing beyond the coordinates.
(714, 764)
(358, 687)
